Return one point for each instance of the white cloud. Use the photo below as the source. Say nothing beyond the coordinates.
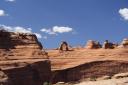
(16, 29)
(4, 27)
(48, 31)
(10, 0)
(22, 30)
(19, 29)
(124, 13)
(2, 13)
(57, 29)
(38, 35)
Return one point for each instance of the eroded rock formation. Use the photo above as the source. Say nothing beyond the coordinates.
(124, 43)
(108, 45)
(22, 60)
(30, 74)
(90, 71)
(20, 46)
(3, 78)
(64, 46)
(93, 44)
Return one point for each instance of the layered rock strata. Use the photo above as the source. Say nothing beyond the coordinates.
(22, 60)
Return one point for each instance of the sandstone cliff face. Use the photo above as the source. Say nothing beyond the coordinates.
(90, 71)
(32, 74)
(82, 64)
(20, 46)
(22, 60)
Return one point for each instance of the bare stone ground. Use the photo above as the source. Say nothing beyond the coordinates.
(121, 81)
(81, 56)
(69, 62)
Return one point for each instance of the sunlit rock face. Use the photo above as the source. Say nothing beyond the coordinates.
(93, 44)
(35, 73)
(64, 46)
(22, 60)
(124, 43)
(20, 46)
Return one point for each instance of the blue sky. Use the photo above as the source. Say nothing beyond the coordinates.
(74, 21)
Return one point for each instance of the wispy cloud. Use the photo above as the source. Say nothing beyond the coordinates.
(16, 29)
(10, 0)
(2, 13)
(56, 30)
(44, 37)
(124, 13)
(48, 31)
(19, 29)
(22, 29)
(38, 35)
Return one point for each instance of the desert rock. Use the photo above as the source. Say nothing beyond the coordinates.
(120, 75)
(124, 43)
(20, 46)
(22, 60)
(64, 46)
(108, 45)
(93, 44)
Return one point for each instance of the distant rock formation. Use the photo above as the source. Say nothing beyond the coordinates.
(22, 60)
(93, 44)
(124, 43)
(108, 45)
(64, 46)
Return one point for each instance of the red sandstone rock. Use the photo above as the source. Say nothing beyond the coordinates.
(93, 44)
(20, 46)
(23, 60)
(108, 45)
(82, 64)
(64, 46)
(124, 43)
(32, 74)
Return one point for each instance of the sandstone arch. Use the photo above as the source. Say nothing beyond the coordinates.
(64, 46)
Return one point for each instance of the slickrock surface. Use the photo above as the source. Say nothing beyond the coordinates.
(24, 62)
(79, 65)
(77, 57)
(122, 81)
